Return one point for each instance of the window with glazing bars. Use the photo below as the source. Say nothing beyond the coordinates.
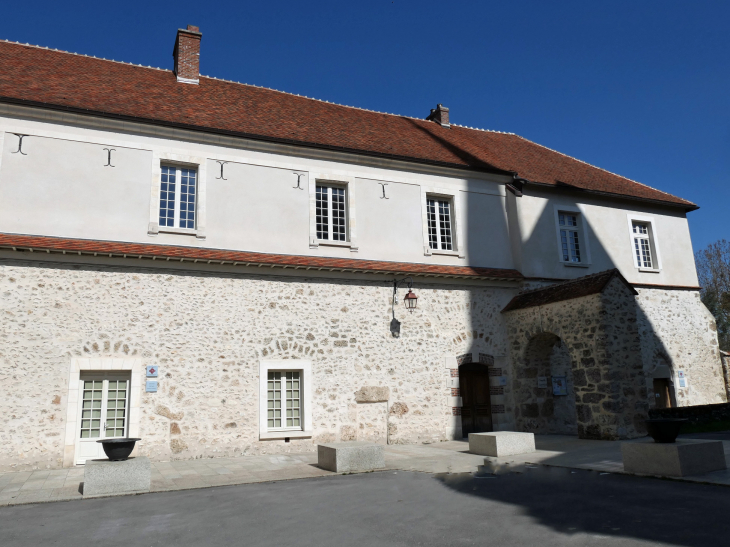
(569, 240)
(284, 404)
(331, 213)
(439, 224)
(642, 245)
(177, 197)
(104, 413)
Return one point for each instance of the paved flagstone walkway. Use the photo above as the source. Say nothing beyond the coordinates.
(446, 457)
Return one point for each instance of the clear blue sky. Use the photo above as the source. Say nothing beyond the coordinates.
(639, 88)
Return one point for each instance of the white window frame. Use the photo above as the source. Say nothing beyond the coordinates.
(181, 161)
(582, 230)
(338, 181)
(653, 241)
(430, 192)
(305, 375)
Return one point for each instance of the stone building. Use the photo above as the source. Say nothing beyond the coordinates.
(212, 267)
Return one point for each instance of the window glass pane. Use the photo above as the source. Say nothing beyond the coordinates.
(432, 222)
(339, 230)
(445, 225)
(167, 196)
(187, 198)
(322, 214)
(90, 418)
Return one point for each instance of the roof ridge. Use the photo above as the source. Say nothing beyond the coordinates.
(600, 168)
(250, 85)
(84, 55)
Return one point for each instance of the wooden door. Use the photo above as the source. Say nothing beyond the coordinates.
(661, 393)
(476, 412)
(103, 412)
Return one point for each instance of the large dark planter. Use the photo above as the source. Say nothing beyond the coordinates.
(664, 430)
(118, 449)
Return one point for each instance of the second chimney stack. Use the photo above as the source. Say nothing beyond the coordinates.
(187, 55)
(440, 115)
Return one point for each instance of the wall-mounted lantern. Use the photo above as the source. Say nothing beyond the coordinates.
(410, 300)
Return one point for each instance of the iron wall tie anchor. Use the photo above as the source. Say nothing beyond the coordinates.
(20, 144)
(222, 163)
(299, 180)
(109, 156)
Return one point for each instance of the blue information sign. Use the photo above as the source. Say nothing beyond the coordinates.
(151, 386)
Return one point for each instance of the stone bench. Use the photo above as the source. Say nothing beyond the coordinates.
(347, 457)
(104, 477)
(679, 459)
(501, 443)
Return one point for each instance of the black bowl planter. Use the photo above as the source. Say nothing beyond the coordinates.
(118, 449)
(664, 430)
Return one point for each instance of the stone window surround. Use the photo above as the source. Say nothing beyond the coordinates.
(582, 228)
(653, 238)
(305, 369)
(100, 364)
(336, 180)
(456, 232)
(177, 160)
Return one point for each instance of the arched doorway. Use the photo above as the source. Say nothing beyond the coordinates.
(476, 410)
(547, 400)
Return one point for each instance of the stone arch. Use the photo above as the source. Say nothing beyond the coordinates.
(540, 409)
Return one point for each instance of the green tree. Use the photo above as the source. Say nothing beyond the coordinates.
(713, 270)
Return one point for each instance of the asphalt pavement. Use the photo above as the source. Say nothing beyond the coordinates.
(543, 507)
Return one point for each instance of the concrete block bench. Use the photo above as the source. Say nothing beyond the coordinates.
(347, 457)
(679, 459)
(104, 477)
(501, 443)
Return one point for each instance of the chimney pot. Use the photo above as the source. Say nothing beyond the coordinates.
(187, 55)
(440, 115)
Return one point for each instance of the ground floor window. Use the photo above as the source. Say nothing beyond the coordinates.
(285, 399)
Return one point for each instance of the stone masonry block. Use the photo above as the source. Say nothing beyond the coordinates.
(350, 456)
(501, 443)
(372, 394)
(679, 459)
(104, 477)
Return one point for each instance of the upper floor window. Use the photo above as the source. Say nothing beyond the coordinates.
(642, 244)
(570, 241)
(438, 211)
(331, 213)
(177, 197)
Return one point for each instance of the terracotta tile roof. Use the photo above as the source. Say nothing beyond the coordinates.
(202, 255)
(576, 288)
(35, 75)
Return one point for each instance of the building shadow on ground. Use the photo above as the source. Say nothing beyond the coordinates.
(602, 505)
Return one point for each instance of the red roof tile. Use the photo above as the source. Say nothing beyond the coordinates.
(576, 288)
(190, 254)
(62, 80)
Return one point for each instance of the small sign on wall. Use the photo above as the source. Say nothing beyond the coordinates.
(682, 379)
(150, 386)
(542, 382)
(152, 371)
(560, 386)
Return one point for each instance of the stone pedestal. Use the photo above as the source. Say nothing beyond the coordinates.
(350, 456)
(501, 443)
(104, 477)
(679, 459)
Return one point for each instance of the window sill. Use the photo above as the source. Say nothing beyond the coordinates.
(293, 434)
(444, 253)
(328, 243)
(650, 270)
(576, 265)
(180, 231)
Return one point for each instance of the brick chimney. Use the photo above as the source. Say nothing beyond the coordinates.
(440, 115)
(187, 55)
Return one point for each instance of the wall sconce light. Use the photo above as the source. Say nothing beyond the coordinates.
(410, 300)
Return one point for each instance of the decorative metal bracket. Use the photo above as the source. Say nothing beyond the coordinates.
(20, 144)
(383, 184)
(109, 156)
(299, 180)
(222, 164)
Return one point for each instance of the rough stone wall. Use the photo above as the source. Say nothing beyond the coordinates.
(678, 331)
(207, 333)
(600, 333)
